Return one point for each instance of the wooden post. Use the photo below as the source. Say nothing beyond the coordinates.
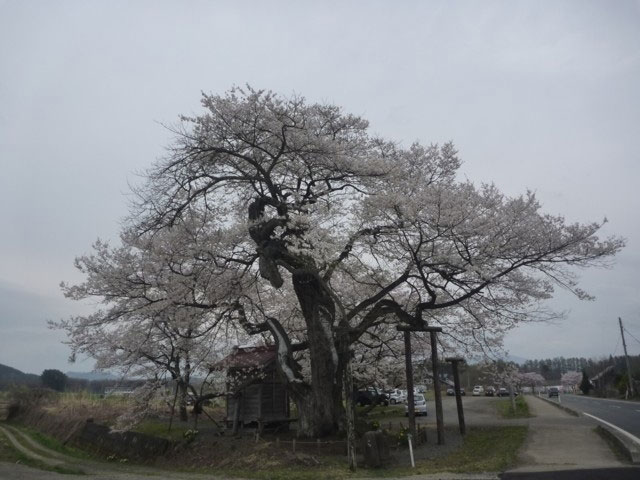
(236, 415)
(410, 396)
(436, 376)
(436, 387)
(456, 383)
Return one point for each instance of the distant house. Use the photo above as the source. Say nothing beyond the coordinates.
(121, 391)
(256, 393)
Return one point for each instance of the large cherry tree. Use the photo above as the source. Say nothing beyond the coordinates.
(332, 236)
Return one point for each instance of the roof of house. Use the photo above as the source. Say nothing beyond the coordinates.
(248, 357)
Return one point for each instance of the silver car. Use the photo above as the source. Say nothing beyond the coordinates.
(419, 407)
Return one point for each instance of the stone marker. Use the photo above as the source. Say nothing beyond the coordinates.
(375, 448)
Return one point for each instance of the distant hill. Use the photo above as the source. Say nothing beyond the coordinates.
(91, 376)
(11, 376)
(516, 359)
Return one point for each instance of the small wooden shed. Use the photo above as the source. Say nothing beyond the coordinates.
(256, 392)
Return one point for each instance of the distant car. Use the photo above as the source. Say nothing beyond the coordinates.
(419, 407)
(504, 392)
(477, 390)
(451, 392)
(397, 396)
(490, 391)
(553, 392)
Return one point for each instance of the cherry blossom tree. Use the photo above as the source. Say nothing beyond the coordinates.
(571, 379)
(163, 309)
(332, 236)
(532, 379)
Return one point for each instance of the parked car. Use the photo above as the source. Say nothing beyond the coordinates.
(504, 392)
(419, 407)
(553, 392)
(397, 396)
(371, 396)
(420, 388)
(477, 390)
(490, 391)
(451, 391)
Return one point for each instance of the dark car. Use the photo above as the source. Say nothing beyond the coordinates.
(370, 396)
(490, 392)
(553, 392)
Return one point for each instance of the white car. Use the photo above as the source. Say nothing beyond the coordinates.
(397, 396)
(419, 407)
(478, 390)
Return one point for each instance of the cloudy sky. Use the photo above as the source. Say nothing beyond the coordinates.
(540, 95)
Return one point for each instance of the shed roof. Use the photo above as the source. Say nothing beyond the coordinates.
(248, 357)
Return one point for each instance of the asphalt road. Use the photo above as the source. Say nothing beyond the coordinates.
(622, 414)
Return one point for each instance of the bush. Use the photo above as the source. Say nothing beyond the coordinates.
(24, 399)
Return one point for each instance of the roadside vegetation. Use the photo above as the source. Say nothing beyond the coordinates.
(489, 449)
(9, 454)
(505, 409)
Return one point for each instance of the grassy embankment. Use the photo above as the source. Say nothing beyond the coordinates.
(491, 449)
(506, 410)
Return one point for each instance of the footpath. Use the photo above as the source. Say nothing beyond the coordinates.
(559, 441)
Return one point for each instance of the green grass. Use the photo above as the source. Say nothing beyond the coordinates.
(506, 411)
(10, 455)
(381, 412)
(160, 429)
(54, 444)
(490, 449)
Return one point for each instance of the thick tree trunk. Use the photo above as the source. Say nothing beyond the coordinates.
(319, 408)
(183, 391)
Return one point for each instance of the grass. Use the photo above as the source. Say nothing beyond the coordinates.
(381, 412)
(10, 454)
(55, 445)
(506, 410)
(490, 449)
(160, 429)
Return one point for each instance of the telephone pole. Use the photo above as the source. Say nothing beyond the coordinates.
(626, 357)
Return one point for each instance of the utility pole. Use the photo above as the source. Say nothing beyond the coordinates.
(626, 357)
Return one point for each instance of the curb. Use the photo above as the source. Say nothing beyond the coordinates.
(561, 407)
(628, 448)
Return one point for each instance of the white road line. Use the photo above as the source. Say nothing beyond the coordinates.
(615, 406)
(623, 432)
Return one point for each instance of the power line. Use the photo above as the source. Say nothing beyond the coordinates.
(616, 349)
(631, 335)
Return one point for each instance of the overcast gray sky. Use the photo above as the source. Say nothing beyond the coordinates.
(540, 95)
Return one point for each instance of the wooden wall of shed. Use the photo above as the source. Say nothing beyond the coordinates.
(266, 400)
